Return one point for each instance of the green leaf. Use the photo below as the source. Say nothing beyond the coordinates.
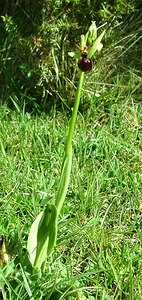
(32, 239)
(42, 236)
(97, 45)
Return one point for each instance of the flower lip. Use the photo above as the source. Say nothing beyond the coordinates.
(85, 63)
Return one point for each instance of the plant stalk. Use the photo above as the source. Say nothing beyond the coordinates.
(67, 159)
(74, 115)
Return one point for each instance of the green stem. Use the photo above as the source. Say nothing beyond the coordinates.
(74, 115)
(67, 159)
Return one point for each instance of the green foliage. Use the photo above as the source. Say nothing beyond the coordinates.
(99, 257)
(42, 236)
(99, 233)
(34, 43)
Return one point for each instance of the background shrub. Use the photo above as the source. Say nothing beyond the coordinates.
(35, 39)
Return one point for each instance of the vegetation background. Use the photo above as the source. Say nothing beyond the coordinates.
(98, 254)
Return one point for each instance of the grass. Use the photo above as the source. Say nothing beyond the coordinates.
(98, 253)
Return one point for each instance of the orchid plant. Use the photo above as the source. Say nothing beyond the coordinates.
(43, 232)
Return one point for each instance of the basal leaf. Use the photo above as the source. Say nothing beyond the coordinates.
(42, 236)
